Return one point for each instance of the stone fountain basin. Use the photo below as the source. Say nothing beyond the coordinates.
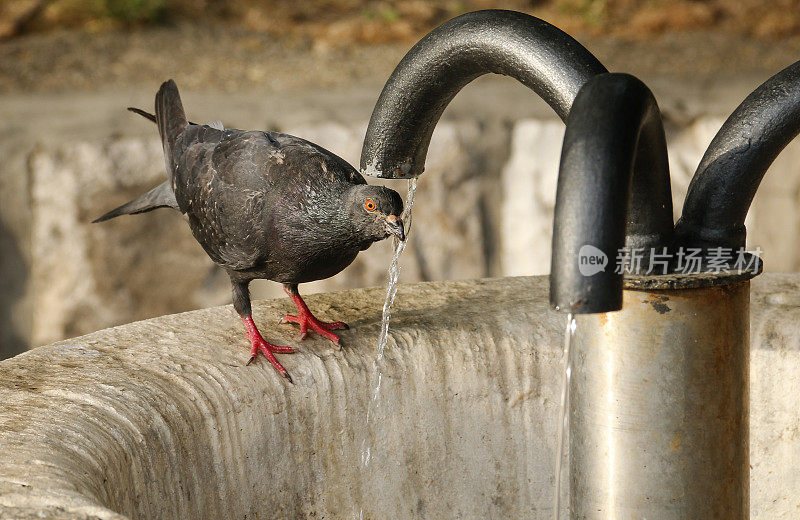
(161, 419)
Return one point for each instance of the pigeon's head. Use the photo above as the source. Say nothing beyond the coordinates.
(375, 210)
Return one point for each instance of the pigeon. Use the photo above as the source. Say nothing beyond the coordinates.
(266, 205)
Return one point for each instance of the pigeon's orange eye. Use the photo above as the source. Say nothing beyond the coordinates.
(369, 205)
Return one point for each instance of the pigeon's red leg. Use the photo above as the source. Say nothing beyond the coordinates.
(307, 320)
(261, 345)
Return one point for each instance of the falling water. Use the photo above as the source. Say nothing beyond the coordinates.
(394, 269)
(564, 416)
(391, 292)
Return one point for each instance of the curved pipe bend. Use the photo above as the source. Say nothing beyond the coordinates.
(731, 170)
(613, 177)
(539, 55)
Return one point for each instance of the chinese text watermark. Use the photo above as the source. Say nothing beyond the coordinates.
(660, 261)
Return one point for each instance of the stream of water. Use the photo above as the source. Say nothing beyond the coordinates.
(563, 427)
(391, 292)
(394, 268)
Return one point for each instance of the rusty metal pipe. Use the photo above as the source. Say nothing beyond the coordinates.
(659, 413)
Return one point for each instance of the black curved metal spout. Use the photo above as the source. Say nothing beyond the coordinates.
(614, 131)
(539, 55)
(613, 192)
(735, 162)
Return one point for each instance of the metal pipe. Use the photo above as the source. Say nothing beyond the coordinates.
(659, 413)
(537, 54)
(728, 176)
(614, 146)
(659, 409)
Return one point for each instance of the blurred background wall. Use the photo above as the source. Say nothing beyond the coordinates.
(70, 151)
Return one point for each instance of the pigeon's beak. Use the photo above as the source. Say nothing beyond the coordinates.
(395, 226)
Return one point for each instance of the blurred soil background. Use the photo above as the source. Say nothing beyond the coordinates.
(348, 22)
(70, 151)
(79, 44)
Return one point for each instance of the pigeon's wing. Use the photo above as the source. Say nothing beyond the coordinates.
(192, 157)
(243, 191)
(226, 186)
(221, 208)
(315, 164)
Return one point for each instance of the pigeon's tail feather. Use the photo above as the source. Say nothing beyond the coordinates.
(159, 197)
(146, 115)
(170, 118)
(152, 117)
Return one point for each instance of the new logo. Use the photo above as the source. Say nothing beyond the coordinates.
(591, 260)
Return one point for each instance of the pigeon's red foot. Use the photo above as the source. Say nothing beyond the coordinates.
(266, 348)
(307, 320)
(322, 328)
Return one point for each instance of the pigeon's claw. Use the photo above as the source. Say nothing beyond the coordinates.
(323, 328)
(335, 325)
(307, 320)
(268, 349)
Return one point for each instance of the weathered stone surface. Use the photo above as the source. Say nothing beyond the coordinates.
(85, 276)
(161, 419)
(774, 400)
